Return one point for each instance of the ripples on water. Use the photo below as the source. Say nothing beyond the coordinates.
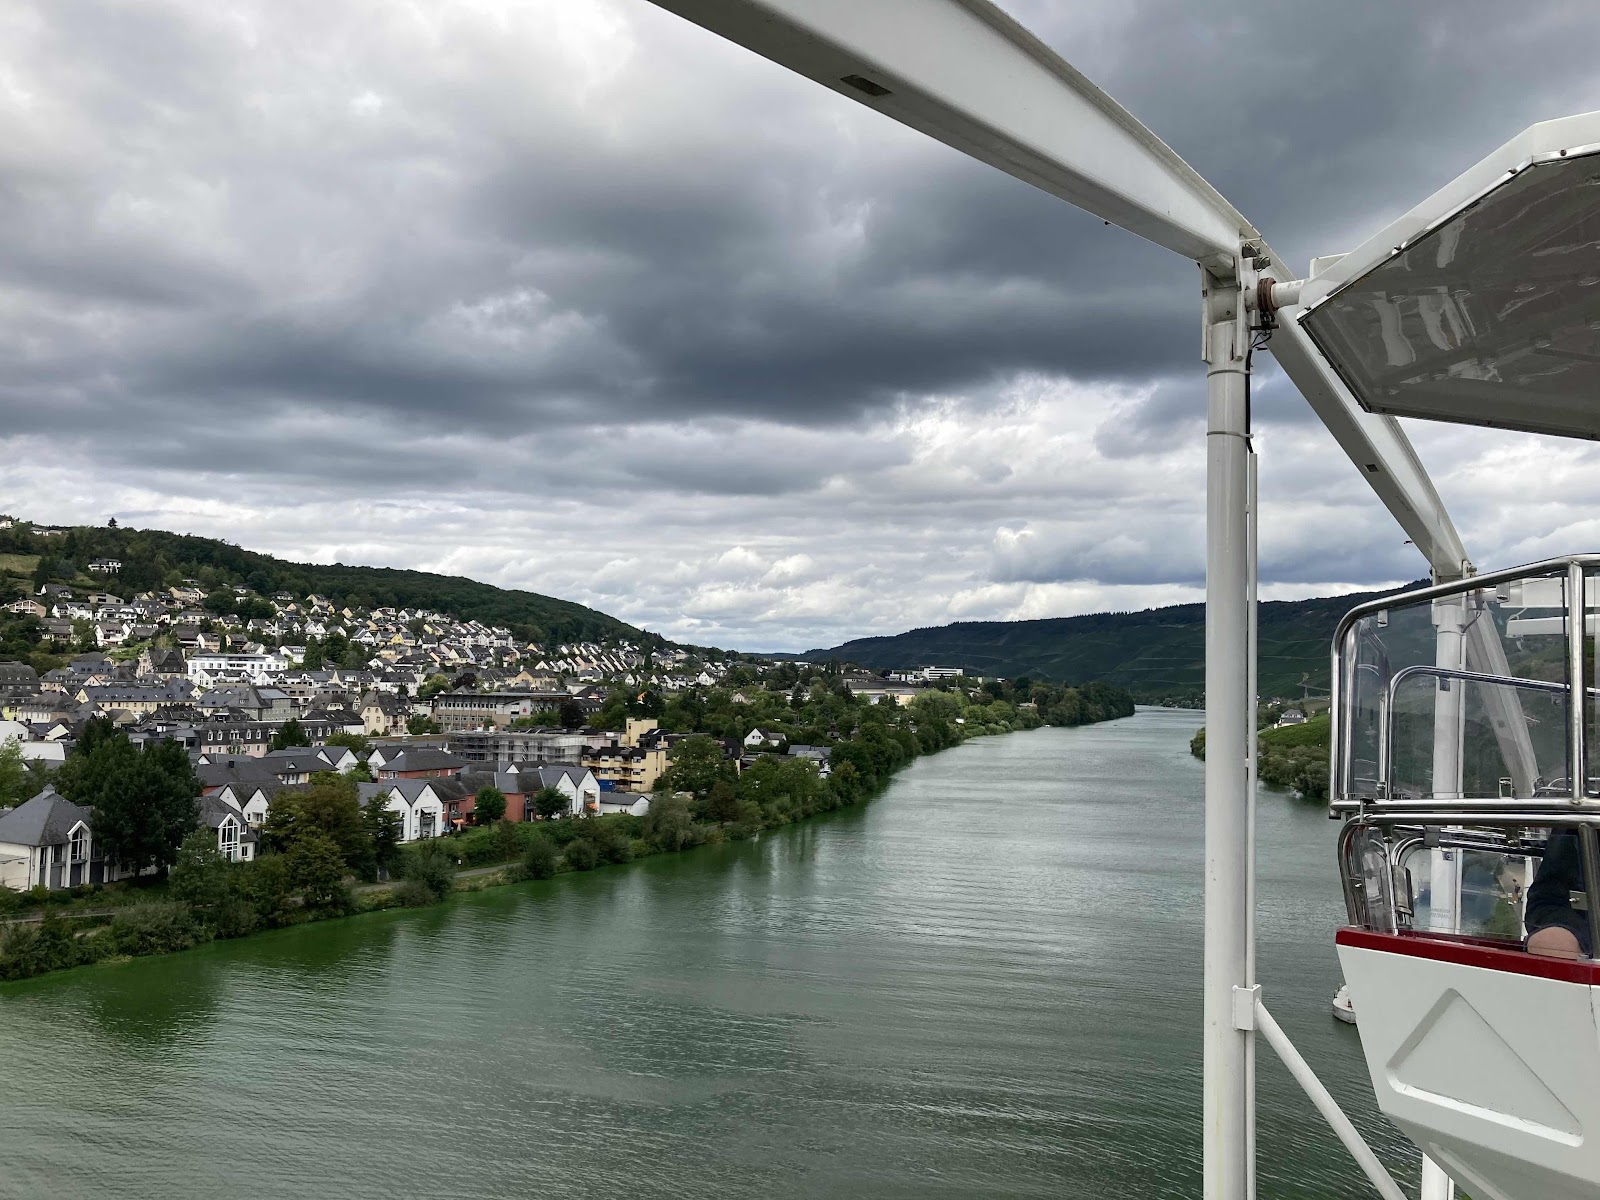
(984, 983)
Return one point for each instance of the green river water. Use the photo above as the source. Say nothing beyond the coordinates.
(984, 983)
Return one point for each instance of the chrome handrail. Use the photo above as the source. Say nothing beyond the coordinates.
(1570, 569)
(1386, 728)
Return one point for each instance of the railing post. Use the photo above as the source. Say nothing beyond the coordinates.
(1227, 1119)
(1577, 629)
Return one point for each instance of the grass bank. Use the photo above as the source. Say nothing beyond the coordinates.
(1294, 757)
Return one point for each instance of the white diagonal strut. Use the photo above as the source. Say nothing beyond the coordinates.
(967, 74)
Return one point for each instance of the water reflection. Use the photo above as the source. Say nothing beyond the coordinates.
(922, 998)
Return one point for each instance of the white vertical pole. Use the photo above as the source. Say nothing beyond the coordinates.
(1436, 1185)
(1253, 694)
(1449, 621)
(1226, 1118)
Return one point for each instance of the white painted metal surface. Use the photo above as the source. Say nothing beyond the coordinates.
(1378, 448)
(1325, 1104)
(964, 72)
(1547, 137)
(1229, 600)
(1491, 1072)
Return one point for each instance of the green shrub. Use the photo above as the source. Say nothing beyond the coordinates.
(413, 893)
(159, 928)
(268, 888)
(433, 866)
(541, 859)
(581, 855)
(611, 842)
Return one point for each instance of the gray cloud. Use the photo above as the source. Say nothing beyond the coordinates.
(580, 298)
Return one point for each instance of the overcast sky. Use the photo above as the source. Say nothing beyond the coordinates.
(571, 295)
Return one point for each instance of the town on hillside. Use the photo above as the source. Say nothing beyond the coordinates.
(263, 693)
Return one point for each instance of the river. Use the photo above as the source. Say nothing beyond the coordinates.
(984, 983)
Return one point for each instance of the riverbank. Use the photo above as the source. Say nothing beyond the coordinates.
(1293, 757)
(708, 802)
(985, 982)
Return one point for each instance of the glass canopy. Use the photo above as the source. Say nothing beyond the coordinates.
(1491, 317)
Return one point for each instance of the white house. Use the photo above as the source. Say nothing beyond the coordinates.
(576, 783)
(236, 838)
(760, 737)
(414, 801)
(47, 840)
(622, 802)
(212, 669)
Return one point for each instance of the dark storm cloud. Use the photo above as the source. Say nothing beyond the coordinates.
(261, 255)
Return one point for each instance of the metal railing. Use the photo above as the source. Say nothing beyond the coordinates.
(1571, 570)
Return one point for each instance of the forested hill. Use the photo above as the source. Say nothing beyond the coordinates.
(1156, 654)
(153, 558)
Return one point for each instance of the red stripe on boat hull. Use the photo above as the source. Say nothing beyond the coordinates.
(1472, 952)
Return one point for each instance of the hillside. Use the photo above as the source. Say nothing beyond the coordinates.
(1157, 654)
(153, 558)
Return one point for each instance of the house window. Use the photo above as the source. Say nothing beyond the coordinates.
(80, 845)
(228, 840)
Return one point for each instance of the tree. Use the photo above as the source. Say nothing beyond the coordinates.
(354, 742)
(16, 781)
(326, 808)
(112, 523)
(697, 764)
(722, 802)
(316, 870)
(431, 687)
(201, 877)
(382, 825)
(669, 823)
(431, 865)
(490, 806)
(290, 733)
(571, 714)
(145, 802)
(540, 859)
(420, 724)
(550, 803)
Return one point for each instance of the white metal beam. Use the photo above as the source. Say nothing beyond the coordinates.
(1378, 448)
(967, 74)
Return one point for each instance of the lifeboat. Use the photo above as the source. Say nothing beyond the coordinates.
(1470, 857)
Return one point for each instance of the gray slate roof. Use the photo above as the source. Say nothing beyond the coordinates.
(44, 820)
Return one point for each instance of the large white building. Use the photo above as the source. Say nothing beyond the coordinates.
(214, 669)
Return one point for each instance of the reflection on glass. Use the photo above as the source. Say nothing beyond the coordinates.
(1491, 318)
(1458, 698)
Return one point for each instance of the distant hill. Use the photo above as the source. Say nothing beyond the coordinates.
(153, 558)
(1156, 654)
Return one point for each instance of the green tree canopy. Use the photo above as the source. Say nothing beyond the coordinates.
(350, 741)
(291, 733)
(490, 805)
(326, 808)
(698, 764)
(382, 826)
(16, 781)
(550, 802)
(145, 802)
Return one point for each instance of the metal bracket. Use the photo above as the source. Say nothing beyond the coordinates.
(1245, 1000)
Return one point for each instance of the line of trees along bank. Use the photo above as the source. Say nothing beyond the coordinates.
(318, 840)
(1294, 757)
